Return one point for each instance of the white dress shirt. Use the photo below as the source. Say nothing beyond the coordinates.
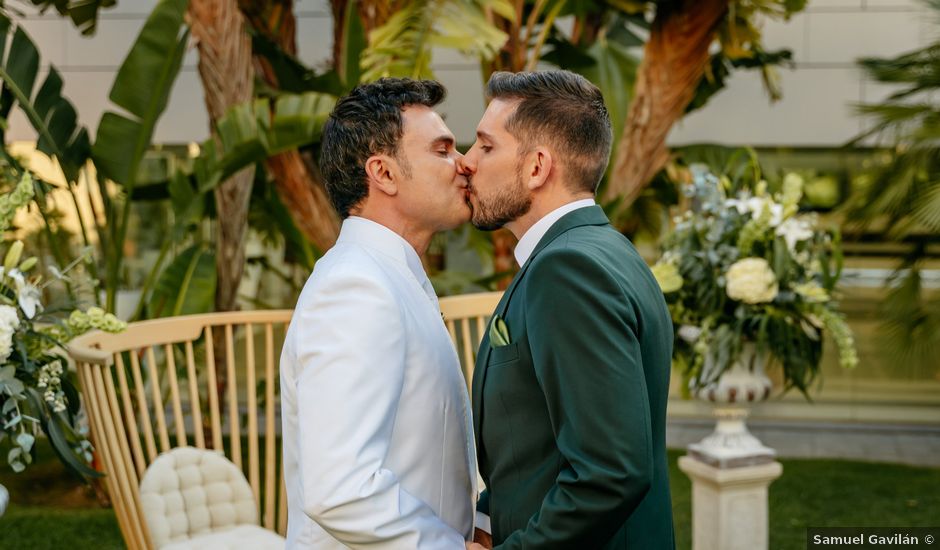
(530, 239)
(376, 421)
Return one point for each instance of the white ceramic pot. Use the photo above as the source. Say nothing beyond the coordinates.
(731, 444)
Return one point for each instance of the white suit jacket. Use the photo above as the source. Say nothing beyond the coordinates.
(377, 435)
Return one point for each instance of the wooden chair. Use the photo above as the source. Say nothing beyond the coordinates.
(467, 317)
(153, 387)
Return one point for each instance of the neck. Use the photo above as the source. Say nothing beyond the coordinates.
(541, 207)
(419, 239)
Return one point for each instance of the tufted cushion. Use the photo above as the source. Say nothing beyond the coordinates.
(188, 492)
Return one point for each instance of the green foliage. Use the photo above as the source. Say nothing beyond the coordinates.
(900, 199)
(403, 45)
(83, 13)
(49, 113)
(142, 88)
(187, 285)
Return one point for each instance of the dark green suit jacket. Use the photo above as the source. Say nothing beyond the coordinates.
(570, 417)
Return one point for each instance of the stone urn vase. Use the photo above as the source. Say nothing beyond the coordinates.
(732, 395)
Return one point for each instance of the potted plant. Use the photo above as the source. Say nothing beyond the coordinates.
(750, 282)
(37, 391)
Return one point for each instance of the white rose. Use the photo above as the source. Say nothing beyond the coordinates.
(751, 281)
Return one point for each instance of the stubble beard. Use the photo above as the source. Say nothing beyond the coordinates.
(504, 205)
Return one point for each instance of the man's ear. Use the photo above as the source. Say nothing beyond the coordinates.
(538, 167)
(381, 172)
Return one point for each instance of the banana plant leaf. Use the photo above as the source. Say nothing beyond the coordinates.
(49, 113)
(142, 88)
(249, 133)
(187, 284)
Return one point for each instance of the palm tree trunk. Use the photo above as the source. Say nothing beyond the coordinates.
(674, 61)
(226, 73)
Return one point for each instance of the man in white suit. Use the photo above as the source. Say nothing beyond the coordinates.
(378, 447)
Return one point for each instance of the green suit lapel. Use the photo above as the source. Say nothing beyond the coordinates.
(593, 215)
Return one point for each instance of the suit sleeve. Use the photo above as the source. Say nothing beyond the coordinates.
(583, 336)
(351, 364)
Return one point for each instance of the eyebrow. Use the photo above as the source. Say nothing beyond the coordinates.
(484, 135)
(443, 140)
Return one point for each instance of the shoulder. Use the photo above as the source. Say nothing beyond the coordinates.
(582, 251)
(348, 271)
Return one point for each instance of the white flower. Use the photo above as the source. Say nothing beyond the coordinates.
(28, 298)
(26, 294)
(9, 322)
(756, 206)
(795, 230)
(751, 280)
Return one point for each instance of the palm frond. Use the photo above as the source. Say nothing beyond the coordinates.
(403, 46)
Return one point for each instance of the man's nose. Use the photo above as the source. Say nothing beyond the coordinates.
(464, 165)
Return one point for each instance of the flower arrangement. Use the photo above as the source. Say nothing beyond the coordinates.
(37, 392)
(746, 267)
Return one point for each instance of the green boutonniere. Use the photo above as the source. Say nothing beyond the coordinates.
(499, 332)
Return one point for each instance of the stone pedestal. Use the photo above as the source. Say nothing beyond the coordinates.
(729, 505)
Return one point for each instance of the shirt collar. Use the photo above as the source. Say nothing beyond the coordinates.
(530, 239)
(376, 236)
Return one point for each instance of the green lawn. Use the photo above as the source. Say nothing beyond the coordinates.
(810, 493)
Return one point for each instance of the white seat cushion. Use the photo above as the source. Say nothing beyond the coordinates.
(188, 492)
(243, 537)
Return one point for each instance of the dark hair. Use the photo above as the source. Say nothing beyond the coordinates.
(563, 110)
(364, 123)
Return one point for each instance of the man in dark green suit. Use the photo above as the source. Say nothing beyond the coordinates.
(569, 390)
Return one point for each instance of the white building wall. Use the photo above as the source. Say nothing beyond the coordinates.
(816, 109)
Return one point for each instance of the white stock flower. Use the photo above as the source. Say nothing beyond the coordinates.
(751, 280)
(795, 230)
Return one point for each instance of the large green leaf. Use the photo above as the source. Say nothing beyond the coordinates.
(83, 13)
(187, 285)
(248, 133)
(142, 87)
(354, 44)
(50, 114)
(293, 76)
